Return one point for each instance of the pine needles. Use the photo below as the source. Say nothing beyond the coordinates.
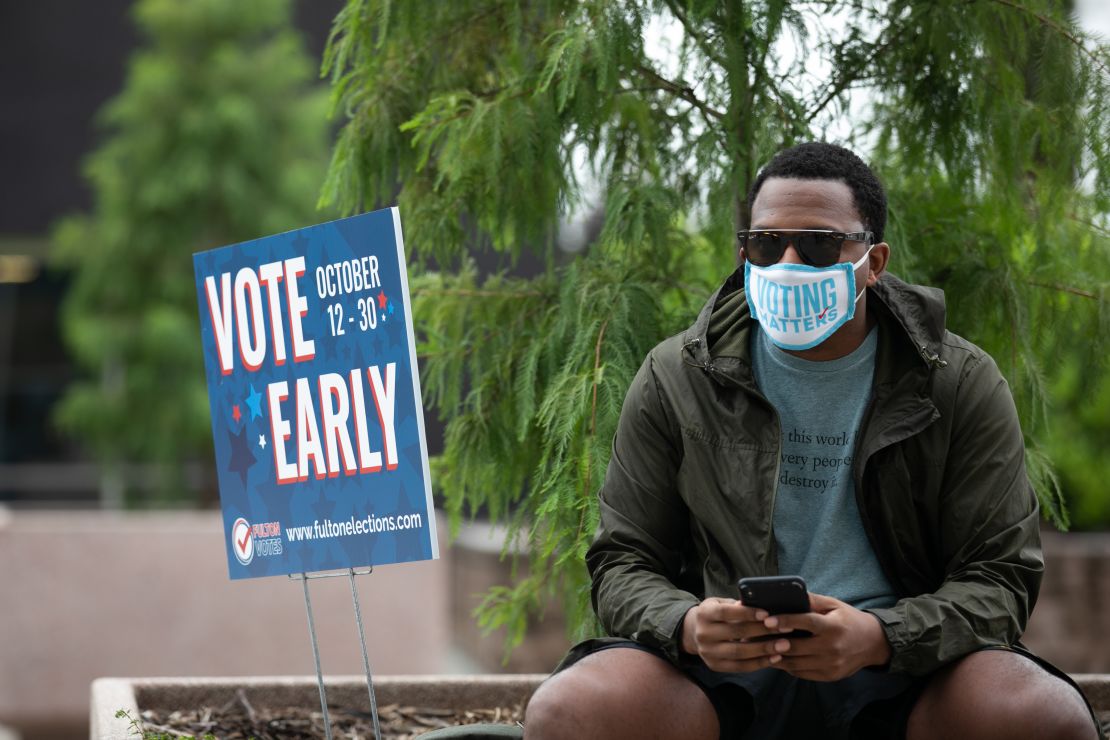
(987, 120)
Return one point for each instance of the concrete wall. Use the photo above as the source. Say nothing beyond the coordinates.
(1068, 627)
(1072, 618)
(475, 566)
(89, 594)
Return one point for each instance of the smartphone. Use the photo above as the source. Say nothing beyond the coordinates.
(778, 595)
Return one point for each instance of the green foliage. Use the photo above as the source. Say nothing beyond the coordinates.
(217, 137)
(1077, 443)
(135, 727)
(987, 120)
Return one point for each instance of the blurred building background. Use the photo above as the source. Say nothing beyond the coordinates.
(88, 589)
(60, 62)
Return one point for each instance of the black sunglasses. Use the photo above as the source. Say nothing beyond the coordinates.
(816, 247)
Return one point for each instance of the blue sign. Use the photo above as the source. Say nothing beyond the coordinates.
(315, 397)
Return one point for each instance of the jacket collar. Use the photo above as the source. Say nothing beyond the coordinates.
(718, 341)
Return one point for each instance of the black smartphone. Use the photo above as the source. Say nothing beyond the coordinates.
(778, 595)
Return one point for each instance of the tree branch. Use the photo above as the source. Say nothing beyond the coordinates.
(851, 76)
(707, 48)
(1100, 229)
(593, 417)
(790, 122)
(1049, 23)
(677, 118)
(683, 92)
(468, 293)
(1063, 289)
(484, 96)
(451, 28)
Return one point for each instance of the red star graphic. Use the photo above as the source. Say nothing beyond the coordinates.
(381, 299)
(235, 413)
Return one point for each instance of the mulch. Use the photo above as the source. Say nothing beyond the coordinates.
(238, 719)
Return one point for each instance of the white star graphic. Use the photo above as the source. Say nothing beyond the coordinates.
(262, 441)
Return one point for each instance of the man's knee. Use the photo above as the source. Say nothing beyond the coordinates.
(998, 694)
(619, 693)
(566, 705)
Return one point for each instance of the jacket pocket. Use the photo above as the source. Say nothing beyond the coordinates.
(728, 486)
(902, 504)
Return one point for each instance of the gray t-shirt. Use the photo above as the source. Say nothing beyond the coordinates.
(817, 524)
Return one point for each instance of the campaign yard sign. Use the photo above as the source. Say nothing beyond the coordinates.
(315, 398)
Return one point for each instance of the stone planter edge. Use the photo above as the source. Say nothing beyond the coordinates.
(109, 695)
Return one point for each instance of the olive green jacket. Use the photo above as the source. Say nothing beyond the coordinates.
(687, 502)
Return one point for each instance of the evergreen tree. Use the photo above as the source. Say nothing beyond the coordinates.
(217, 137)
(986, 119)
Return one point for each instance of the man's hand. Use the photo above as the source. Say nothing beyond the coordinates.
(844, 640)
(720, 631)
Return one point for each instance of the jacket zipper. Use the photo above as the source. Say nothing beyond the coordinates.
(857, 482)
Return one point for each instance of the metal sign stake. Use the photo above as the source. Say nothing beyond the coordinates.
(316, 657)
(349, 573)
(365, 658)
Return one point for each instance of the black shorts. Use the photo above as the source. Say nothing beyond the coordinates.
(769, 703)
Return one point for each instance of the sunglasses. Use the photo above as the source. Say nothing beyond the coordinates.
(816, 247)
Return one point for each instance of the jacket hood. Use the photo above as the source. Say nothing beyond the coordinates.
(724, 325)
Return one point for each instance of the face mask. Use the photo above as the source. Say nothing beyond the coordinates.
(800, 306)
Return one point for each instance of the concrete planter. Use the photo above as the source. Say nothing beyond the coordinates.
(109, 695)
(179, 614)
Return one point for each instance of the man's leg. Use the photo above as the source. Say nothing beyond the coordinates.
(620, 693)
(999, 694)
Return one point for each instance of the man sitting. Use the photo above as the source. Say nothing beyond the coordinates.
(816, 420)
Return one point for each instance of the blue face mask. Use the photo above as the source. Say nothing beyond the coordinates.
(800, 306)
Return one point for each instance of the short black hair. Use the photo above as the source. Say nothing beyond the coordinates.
(817, 160)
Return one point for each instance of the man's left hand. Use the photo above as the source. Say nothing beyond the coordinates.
(844, 640)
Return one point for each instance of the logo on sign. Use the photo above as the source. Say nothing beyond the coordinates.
(242, 541)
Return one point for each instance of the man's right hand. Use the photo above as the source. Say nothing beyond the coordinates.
(721, 632)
